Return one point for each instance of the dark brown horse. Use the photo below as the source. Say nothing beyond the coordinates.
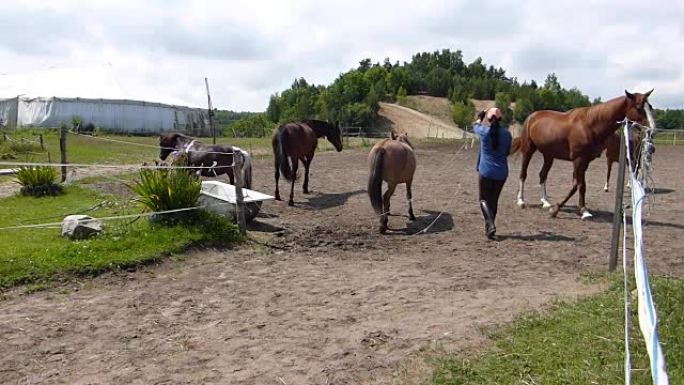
(612, 146)
(576, 135)
(215, 159)
(392, 161)
(293, 142)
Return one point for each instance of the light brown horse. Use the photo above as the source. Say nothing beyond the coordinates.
(612, 146)
(576, 135)
(293, 142)
(393, 161)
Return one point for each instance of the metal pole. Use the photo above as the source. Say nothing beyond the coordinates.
(211, 112)
(617, 211)
(63, 151)
(239, 198)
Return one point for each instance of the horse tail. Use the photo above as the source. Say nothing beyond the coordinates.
(375, 180)
(281, 154)
(247, 169)
(520, 143)
(516, 145)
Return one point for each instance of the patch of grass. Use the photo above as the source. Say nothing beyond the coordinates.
(578, 343)
(39, 255)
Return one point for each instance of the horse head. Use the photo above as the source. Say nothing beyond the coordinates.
(403, 138)
(334, 135)
(636, 106)
(169, 142)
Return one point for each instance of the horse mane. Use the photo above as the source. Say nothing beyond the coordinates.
(603, 112)
(321, 127)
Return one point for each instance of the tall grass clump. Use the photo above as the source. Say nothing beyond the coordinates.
(38, 181)
(168, 189)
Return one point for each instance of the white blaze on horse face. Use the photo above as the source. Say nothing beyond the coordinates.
(544, 197)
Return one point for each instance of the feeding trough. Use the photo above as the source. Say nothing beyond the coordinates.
(220, 198)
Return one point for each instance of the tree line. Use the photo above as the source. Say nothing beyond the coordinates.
(353, 97)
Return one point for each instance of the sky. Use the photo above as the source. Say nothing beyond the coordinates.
(161, 51)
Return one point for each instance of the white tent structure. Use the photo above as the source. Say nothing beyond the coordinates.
(121, 116)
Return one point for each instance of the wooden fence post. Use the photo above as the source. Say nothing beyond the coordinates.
(42, 144)
(617, 211)
(239, 198)
(63, 151)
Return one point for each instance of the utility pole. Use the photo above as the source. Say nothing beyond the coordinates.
(211, 112)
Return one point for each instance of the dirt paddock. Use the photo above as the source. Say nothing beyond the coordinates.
(330, 301)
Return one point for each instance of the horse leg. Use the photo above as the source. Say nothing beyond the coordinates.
(231, 177)
(409, 198)
(307, 163)
(610, 165)
(527, 156)
(576, 166)
(543, 174)
(277, 177)
(295, 165)
(581, 173)
(384, 217)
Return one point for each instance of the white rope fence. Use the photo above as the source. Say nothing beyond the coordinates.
(648, 319)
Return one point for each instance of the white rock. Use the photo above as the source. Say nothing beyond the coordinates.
(80, 226)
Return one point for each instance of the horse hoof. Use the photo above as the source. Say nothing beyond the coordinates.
(383, 230)
(605, 189)
(554, 211)
(546, 204)
(586, 215)
(413, 218)
(290, 203)
(521, 203)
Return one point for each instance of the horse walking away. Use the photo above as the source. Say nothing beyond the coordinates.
(576, 135)
(612, 146)
(294, 142)
(393, 161)
(217, 158)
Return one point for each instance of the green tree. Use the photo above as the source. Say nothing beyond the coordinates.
(254, 126)
(401, 95)
(503, 103)
(523, 109)
(463, 114)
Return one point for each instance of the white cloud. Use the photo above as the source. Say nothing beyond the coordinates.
(162, 50)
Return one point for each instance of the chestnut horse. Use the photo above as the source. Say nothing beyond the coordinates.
(393, 161)
(293, 142)
(214, 158)
(612, 146)
(576, 135)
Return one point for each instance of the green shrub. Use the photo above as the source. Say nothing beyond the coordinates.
(23, 146)
(168, 189)
(38, 181)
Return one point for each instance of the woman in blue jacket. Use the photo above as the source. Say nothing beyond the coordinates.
(492, 164)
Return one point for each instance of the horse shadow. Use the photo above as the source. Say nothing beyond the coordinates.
(327, 201)
(440, 221)
(541, 236)
(602, 216)
(659, 190)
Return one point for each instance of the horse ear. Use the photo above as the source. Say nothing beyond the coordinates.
(646, 95)
(631, 96)
(393, 135)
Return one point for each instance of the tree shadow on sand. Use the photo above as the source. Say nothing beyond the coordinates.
(325, 201)
(442, 222)
(542, 236)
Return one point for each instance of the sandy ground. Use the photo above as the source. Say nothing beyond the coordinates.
(417, 124)
(330, 301)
